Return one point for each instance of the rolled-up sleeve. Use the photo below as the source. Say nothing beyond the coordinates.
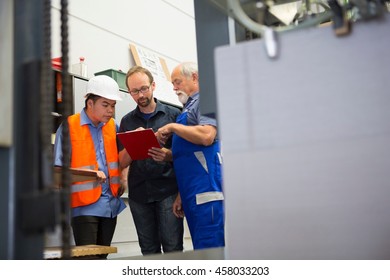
(58, 147)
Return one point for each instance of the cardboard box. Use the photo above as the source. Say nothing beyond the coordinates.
(148, 59)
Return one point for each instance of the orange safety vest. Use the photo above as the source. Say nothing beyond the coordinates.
(83, 156)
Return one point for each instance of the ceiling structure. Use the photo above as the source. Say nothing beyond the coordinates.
(284, 15)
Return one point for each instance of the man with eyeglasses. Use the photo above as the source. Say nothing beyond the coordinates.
(197, 162)
(152, 185)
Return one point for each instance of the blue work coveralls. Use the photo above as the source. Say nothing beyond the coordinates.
(198, 173)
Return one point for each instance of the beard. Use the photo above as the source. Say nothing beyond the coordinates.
(183, 97)
(144, 102)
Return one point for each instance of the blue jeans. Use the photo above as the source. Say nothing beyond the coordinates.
(157, 227)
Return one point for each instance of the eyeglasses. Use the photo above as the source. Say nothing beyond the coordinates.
(143, 90)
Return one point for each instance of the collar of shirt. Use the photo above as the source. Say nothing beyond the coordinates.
(85, 120)
(190, 102)
(159, 108)
(195, 96)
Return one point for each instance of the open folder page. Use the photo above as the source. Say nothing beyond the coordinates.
(138, 142)
(77, 174)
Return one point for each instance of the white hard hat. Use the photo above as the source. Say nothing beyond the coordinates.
(104, 86)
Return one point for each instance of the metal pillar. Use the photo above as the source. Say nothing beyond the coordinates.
(211, 31)
(6, 78)
(27, 57)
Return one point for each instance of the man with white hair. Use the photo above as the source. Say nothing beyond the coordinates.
(197, 162)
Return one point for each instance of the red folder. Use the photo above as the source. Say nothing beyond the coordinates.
(138, 142)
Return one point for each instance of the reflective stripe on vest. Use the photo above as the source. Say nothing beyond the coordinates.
(83, 156)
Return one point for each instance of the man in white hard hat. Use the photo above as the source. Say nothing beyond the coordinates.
(92, 137)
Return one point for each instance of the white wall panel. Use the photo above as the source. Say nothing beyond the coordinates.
(101, 31)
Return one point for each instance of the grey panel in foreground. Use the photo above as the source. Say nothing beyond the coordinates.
(306, 147)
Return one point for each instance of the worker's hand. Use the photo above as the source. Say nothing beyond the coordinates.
(177, 207)
(163, 134)
(160, 154)
(101, 177)
(123, 181)
(122, 189)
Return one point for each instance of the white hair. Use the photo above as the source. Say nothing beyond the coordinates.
(188, 68)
